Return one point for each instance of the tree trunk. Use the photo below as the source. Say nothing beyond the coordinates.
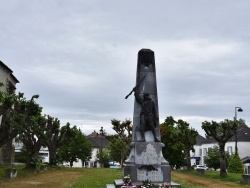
(52, 156)
(34, 153)
(223, 169)
(29, 164)
(71, 163)
(187, 151)
(121, 162)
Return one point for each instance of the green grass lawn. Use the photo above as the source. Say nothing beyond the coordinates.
(231, 177)
(97, 177)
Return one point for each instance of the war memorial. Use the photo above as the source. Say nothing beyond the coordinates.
(145, 162)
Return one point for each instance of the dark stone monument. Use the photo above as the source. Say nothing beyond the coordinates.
(146, 161)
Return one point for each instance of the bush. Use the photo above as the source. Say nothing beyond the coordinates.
(235, 165)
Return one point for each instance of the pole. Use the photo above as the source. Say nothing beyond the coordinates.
(235, 131)
(101, 157)
(239, 109)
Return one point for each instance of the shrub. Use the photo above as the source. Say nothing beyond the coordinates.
(235, 165)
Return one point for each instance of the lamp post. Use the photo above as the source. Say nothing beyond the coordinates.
(101, 157)
(237, 109)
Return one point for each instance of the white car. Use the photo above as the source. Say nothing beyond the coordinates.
(200, 167)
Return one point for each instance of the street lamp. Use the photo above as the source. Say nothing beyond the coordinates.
(237, 109)
(101, 157)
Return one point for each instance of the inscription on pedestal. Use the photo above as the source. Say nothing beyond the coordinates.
(153, 176)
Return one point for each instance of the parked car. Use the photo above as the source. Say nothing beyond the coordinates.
(200, 167)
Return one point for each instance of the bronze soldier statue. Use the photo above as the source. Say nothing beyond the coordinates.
(148, 115)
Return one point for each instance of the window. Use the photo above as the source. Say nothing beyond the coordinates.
(204, 151)
(10, 88)
(230, 150)
(200, 152)
(43, 154)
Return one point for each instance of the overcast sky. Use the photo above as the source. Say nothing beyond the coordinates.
(80, 56)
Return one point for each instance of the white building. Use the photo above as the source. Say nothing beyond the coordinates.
(97, 142)
(9, 81)
(203, 145)
(43, 153)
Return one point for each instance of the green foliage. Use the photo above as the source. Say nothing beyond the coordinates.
(76, 147)
(221, 132)
(241, 123)
(120, 142)
(32, 128)
(179, 139)
(20, 157)
(103, 156)
(56, 136)
(212, 159)
(235, 164)
(11, 119)
(37, 162)
(173, 150)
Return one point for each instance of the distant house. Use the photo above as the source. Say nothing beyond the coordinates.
(9, 81)
(203, 145)
(43, 152)
(97, 142)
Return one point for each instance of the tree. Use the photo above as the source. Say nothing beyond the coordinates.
(212, 159)
(103, 157)
(76, 147)
(179, 138)
(120, 142)
(241, 123)
(221, 132)
(188, 137)
(56, 136)
(32, 129)
(113, 147)
(173, 150)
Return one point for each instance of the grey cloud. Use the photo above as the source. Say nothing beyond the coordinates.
(80, 56)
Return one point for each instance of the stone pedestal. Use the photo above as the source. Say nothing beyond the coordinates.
(246, 178)
(147, 163)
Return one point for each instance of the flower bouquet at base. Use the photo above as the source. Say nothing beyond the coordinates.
(127, 182)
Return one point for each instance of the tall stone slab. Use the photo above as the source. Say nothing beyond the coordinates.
(145, 161)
